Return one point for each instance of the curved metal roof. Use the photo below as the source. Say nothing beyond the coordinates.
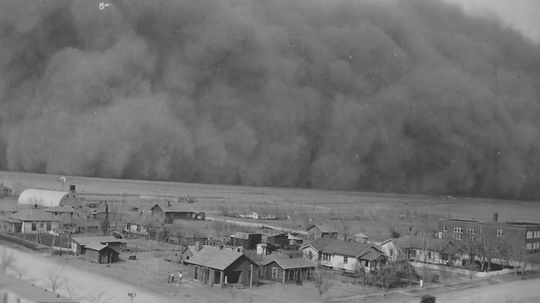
(47, 198)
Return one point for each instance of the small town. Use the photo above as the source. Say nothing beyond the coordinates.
(269, 151)
(250, 254)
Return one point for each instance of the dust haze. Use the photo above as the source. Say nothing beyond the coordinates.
(409, 96)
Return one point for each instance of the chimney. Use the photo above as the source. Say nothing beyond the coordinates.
(72, 188)
(495, 217)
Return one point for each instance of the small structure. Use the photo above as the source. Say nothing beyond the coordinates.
(170, 211)
(220, 267)
(360, 238)
(17, 290)
(98, 249)
(9, 225)
(288, 270)
(49, 198)
(342, 255)
(36, 220)
(429, 250)
(318, 231)
(136, 227)
(246, 240)
(277, 239)
(261, 249)
(391, 249)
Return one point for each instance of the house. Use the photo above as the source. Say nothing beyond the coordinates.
(288, 269)
(391, 249)
(342, 255)
(98, 249)
(17, 290)
(324, 231)
(8, 209)
(188, 251)
(36, 220)
(218, 266)
(246, 240)
(426, 250)
(136, 227)
(170, 211)
(9, 225)
(49, 198)
(276, 239)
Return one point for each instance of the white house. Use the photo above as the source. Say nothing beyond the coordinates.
(48, 198)
(341, 255)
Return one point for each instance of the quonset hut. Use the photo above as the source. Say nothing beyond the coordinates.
(49, 198)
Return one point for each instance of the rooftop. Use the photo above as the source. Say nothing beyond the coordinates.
(33, 214)
(215, 258)
(174, 207)
(325, 228)
(340, 247)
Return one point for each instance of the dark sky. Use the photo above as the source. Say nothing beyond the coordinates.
(412, 96)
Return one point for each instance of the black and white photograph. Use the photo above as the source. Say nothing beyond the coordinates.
(261, 151)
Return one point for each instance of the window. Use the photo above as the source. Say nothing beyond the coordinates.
(445, 228)
(472, 230)
(529, 234)
(345, 260)
(274, 272)
(537, 233)
(459, 236)
(458, 229)
(500, 232)
(429, 255)
(391, 252)
(326, 257)
(34, 226)
(536, 245)
(48, 226)
(529, 246)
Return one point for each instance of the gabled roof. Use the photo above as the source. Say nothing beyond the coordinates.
(292, 263)
(174, 207)
(216, 258)
(33, 215)
(340, 247)
(99, 239)
(325, 228)
(30, 292)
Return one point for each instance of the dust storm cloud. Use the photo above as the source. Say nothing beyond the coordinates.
(409, 96)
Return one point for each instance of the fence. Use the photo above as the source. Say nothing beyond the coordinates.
(23, 242)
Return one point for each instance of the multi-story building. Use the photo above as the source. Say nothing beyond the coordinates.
(519, 237)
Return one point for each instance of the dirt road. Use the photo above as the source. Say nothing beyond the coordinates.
(86, 287)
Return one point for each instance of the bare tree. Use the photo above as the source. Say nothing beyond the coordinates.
(7, 259)
(73, 291)
(55, 279)
(321, 283)
(99, 298)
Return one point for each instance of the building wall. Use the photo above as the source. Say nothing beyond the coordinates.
(41, 227)
(244, 265)
(391, 250)
(311, 253)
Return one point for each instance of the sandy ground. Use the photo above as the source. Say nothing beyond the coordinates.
(87, 287)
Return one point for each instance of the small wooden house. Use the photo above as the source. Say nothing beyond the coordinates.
(218, 266)
(170, 211)
(288, 270)
(324, 231)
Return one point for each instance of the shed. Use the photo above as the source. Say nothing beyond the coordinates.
(325, 231)
(115, 243)
(218, 266)
(171, 211)
(47, 198)
(98, 249)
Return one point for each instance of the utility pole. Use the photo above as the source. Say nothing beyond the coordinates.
(250, 283)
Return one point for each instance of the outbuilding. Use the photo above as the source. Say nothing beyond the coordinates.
(218, 266)
(48, 198)
(288, 270)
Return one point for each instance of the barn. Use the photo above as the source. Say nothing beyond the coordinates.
(48, 198)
